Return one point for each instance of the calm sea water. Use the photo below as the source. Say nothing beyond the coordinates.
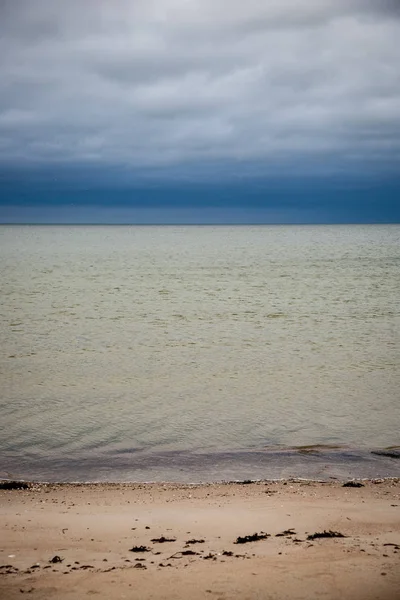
(199, 353)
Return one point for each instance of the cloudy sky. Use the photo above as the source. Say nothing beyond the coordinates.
(200, 110)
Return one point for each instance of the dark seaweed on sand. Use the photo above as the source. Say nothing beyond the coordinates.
(353, 484)
(14, 485)
(286, 533)
(139, 549)
(255, 537)
(325, 534)
(162, 540)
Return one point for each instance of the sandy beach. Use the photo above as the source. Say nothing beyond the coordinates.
(173, 541)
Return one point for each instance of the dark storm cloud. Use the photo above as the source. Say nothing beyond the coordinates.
(284, 84)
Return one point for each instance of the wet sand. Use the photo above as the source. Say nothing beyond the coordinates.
(92, 529)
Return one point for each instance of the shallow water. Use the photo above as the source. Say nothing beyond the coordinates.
(198, 353)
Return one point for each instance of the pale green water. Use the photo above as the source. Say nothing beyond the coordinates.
(180, 352)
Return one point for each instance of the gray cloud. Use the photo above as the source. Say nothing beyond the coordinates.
(311, 83)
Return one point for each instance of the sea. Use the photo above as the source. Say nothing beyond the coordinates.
(199, 353)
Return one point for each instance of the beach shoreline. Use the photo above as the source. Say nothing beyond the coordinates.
(317, 462)
(93, 528)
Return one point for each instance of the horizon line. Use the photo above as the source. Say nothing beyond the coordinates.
(191, 224)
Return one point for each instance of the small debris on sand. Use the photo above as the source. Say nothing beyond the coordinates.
(184, 553)
(162, 540)
(8, 569)
(56, 559)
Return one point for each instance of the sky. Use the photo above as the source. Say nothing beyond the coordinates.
(200, 111)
